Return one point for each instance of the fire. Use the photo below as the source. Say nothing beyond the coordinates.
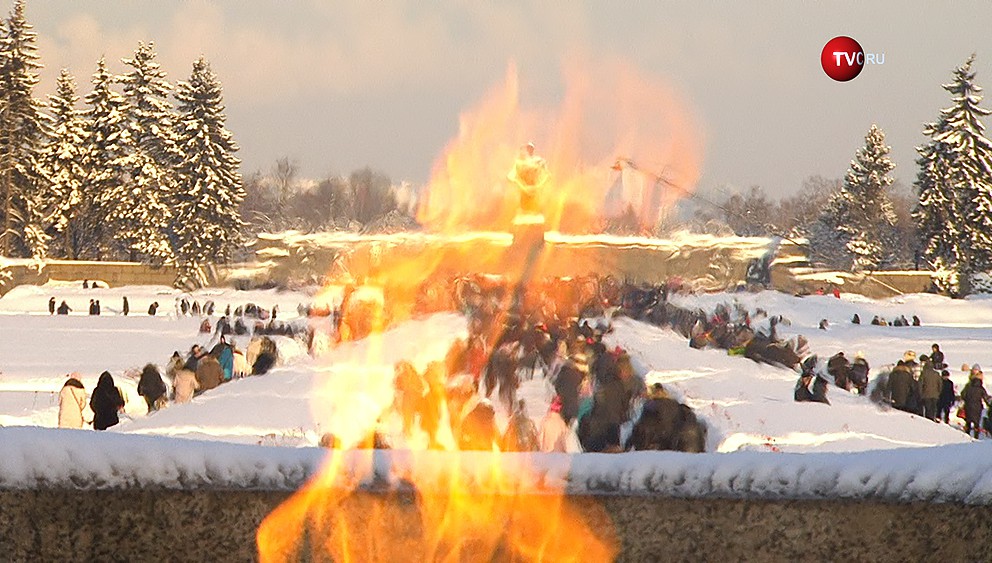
(609, 112)
(431, 501)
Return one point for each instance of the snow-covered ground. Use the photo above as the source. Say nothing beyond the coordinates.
(746, 406)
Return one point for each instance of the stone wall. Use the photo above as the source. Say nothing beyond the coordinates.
(219, 525)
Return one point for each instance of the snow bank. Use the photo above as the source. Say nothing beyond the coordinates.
(36, 457)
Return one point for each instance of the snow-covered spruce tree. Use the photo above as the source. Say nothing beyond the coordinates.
(208, 199)
(105, 160)
(857, 227)
(870, 228)
(63, 161)
(954, 184)
(23, 134)
(142, 219)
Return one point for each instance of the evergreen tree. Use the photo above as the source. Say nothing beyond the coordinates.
(208, 221)
(871, 222)
(105, 162)
(857, 227)
(64, 159)
(23, 134)
(954, 209)
(142, 218)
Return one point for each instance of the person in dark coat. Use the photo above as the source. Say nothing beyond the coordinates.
(92, 309)
(802, 393)
(126, 308)
(597, 434)
(63, 308)
(86, 284)
(975, 398)
(859, 373)
(930, 388)
(106, 401)
(51, 306)
(195, 310)
(567, 385)
(97, 305)
(900, 385)
(151, 386)
(658, 426)
(937, 357)
(916, 320)
(856, 319)
(820, 391)
(840, 368)
(152, 309)
(947, 397)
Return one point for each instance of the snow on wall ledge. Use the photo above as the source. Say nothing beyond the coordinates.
(50, 458)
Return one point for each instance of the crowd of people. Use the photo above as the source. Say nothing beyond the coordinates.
(541, 331)
(184, 378)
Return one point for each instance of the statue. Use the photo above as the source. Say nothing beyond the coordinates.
(529, 173)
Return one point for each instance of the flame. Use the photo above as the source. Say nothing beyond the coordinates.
(440, 503)
(609, 112)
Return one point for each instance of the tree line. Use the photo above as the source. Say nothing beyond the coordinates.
(146, 171)
(366, 199)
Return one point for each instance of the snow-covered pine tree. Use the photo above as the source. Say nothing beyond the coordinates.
(63, 161)
(207, 203)
(954, 209)
(870, 227)
(23, 134)
(105, 161)
(143, 218)
(857, 227)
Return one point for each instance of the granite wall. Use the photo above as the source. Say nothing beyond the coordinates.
(219, 525)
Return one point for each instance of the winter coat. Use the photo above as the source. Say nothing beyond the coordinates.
(185, 384)
(209, 373)
(930, 382)
(553, 436)
(227, 362)
(900, 385)
(975, 397)
(253, 350)
(72, 401)
(859, 373)
(820, 391)
(106, 402)
(947, 397)
(658, 426)
(567, 387)
(63, 309)
(937, 358)
(151, 385)
(802, 393)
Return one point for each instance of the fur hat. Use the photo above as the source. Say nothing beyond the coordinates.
(859, 355)
(909, 356)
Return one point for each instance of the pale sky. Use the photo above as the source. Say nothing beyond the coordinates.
(340, 85)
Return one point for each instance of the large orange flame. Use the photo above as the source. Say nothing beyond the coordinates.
(604, 148)
(610, 112)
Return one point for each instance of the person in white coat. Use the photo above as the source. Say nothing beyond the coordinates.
(554, 431)
(72, 401)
